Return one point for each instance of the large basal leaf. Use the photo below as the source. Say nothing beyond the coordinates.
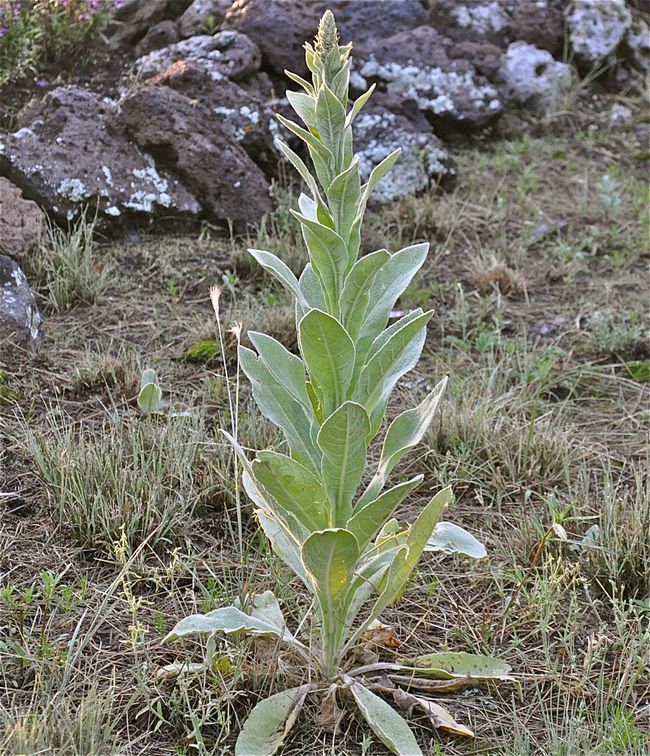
(328, 352)
(343, 440)
(395, 358)
(447, 666)
(270, 722)
(265, 606)
(228, 620)
(330, 557)
(328, 254)
(404, 433)
(285, 366)
(357, 288)
(280, 271)
(396, 274)
(367, 520)
(277, 404)
(389, 726)
(452, 539)
(295, 488)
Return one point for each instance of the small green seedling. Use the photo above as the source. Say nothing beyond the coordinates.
(343, 543)
(150, 396)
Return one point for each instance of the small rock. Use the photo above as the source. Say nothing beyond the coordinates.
(20, 319)
(619, 115)
(201, 14)
(21, 221)
(423, 161)
(161, 35)
(547, 229)
(227, 53)
(191, 141)
(532, 77)
(70, 152)
(546, 329)
(597, 28)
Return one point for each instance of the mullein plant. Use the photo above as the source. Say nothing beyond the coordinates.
(340, 538)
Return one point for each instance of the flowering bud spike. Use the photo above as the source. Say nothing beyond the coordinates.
(327, 37)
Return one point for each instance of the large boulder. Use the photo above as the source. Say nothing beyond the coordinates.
(597, 28)
(241, 113)
(226, 53)
(21, 221)
(189, 140)
(69, 152)
(423, 161)
(161, 35)
(280, 27)
(20, 319)
(532, 77)
(416, 65)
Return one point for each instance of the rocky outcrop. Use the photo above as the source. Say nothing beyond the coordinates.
(161, 35)
(540, 23)
(69, 152)
(473, 20)
(531, 77)
(190, 141)
(22, 222)
(225, 54)
(20, 320)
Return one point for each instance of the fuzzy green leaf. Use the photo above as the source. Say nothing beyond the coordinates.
(329, 355)
(452, 539)
(228, 620)
(404, 433)
(270, 722)
(447, 666)
(357, 289)
(285, 366)
(304, 106)
(389, 726)
(278, 270)
(343, 440)
(277, 404)
(367, 520)
(294, 487)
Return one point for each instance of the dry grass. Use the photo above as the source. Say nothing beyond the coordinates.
(543, 435)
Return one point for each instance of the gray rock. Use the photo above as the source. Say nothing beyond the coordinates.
(423, 161)
(226, 53)
(415, 65)
(620, 116)
(243, 115)
(597, 28)
(197, 17)
(21, 221)
(70, 151)
(531, 77)
(539, 22)
(136, 17)
(20, 320)
(190, 141)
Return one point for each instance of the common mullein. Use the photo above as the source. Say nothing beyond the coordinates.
(326, 511)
